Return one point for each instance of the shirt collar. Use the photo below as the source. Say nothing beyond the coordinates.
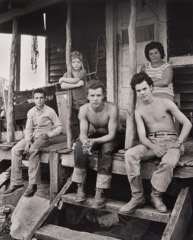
(37, 110)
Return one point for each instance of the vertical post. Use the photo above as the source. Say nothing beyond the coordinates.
(18, 57)
(111, 52)
(69, 72)
(12, 80)
(130, 125)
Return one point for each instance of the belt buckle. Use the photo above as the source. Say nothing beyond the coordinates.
(155, 134)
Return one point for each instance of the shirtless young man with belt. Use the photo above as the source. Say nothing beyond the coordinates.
(155, 126)
(107, 138)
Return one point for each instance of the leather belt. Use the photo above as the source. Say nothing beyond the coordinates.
(161, 134)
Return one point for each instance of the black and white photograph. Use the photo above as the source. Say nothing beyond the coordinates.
(96, 114)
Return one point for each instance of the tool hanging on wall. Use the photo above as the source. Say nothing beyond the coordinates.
(34, 53)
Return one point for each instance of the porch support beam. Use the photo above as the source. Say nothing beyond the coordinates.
(69, 73)
(12, 80)
(130, 125)
(111, 53)
(32, 7)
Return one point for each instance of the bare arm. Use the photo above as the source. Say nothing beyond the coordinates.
(167, 78)
(66, 86)
(69, 80)
(181, 118)
(84, 125)
(159, 151)
(142, 68)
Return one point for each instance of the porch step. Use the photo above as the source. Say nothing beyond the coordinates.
(60, 233)
(147, 213)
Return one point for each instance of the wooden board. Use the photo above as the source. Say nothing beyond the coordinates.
(179, 220)
(50, 209)
(147, 168)
(147, 213)
(60, 233)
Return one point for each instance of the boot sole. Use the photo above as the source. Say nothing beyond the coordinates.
(81, 200)
(30, 195)
(133, 210)
(158, 209)
(97, 207)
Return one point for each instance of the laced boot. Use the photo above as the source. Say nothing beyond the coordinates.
(156, 200)
(81, 195)
(132, 205)
(99, 200)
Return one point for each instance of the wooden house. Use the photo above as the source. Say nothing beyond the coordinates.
(112, 35)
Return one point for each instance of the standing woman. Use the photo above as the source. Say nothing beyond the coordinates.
(160, 71)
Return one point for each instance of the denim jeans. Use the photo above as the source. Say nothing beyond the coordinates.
(104, 166)
(162, 177)
(34, 159)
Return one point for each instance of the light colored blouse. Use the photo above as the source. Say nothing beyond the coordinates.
(158, 74)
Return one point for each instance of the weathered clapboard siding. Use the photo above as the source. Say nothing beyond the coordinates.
(88, 22)
(180, 25)
(183, 85)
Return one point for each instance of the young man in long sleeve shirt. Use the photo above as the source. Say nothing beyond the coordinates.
(43, 128)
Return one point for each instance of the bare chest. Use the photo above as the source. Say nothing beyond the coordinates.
(98, 119)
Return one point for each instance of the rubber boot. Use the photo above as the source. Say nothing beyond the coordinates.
(81, 195)
(157, 202)
(137, 200)
(99, 200)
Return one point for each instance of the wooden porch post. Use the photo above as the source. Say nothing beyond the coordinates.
(131, 129)
(12, 80)
(69, 72)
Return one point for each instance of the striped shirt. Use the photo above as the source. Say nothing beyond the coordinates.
(158, 74)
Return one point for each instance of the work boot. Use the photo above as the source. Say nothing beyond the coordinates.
(30, 191)
(81, 195)
(99, 200)
(156, 200)
(132, 205)
(137, 199)
(12, 188)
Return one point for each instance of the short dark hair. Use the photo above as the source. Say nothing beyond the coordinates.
(139, 78)
(39, 90)
(153, 45)
(94, 84)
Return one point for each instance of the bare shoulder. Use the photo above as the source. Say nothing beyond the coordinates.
(110, 107)
(142, 68)
(84, 108)
(167, 102)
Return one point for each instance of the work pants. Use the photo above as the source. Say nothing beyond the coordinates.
(162, 177)
(34, 159)
(104, 167)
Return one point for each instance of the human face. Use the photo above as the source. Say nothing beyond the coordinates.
(39, 100)
(154, 55)
(76, 64)
(95, 97)
(144, 91)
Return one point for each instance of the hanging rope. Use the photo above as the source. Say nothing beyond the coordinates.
(34, 53)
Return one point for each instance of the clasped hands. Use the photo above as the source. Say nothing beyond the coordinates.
(87, 145)
(160, 151)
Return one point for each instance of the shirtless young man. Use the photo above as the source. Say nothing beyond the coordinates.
(155, 127)
(107, 138)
